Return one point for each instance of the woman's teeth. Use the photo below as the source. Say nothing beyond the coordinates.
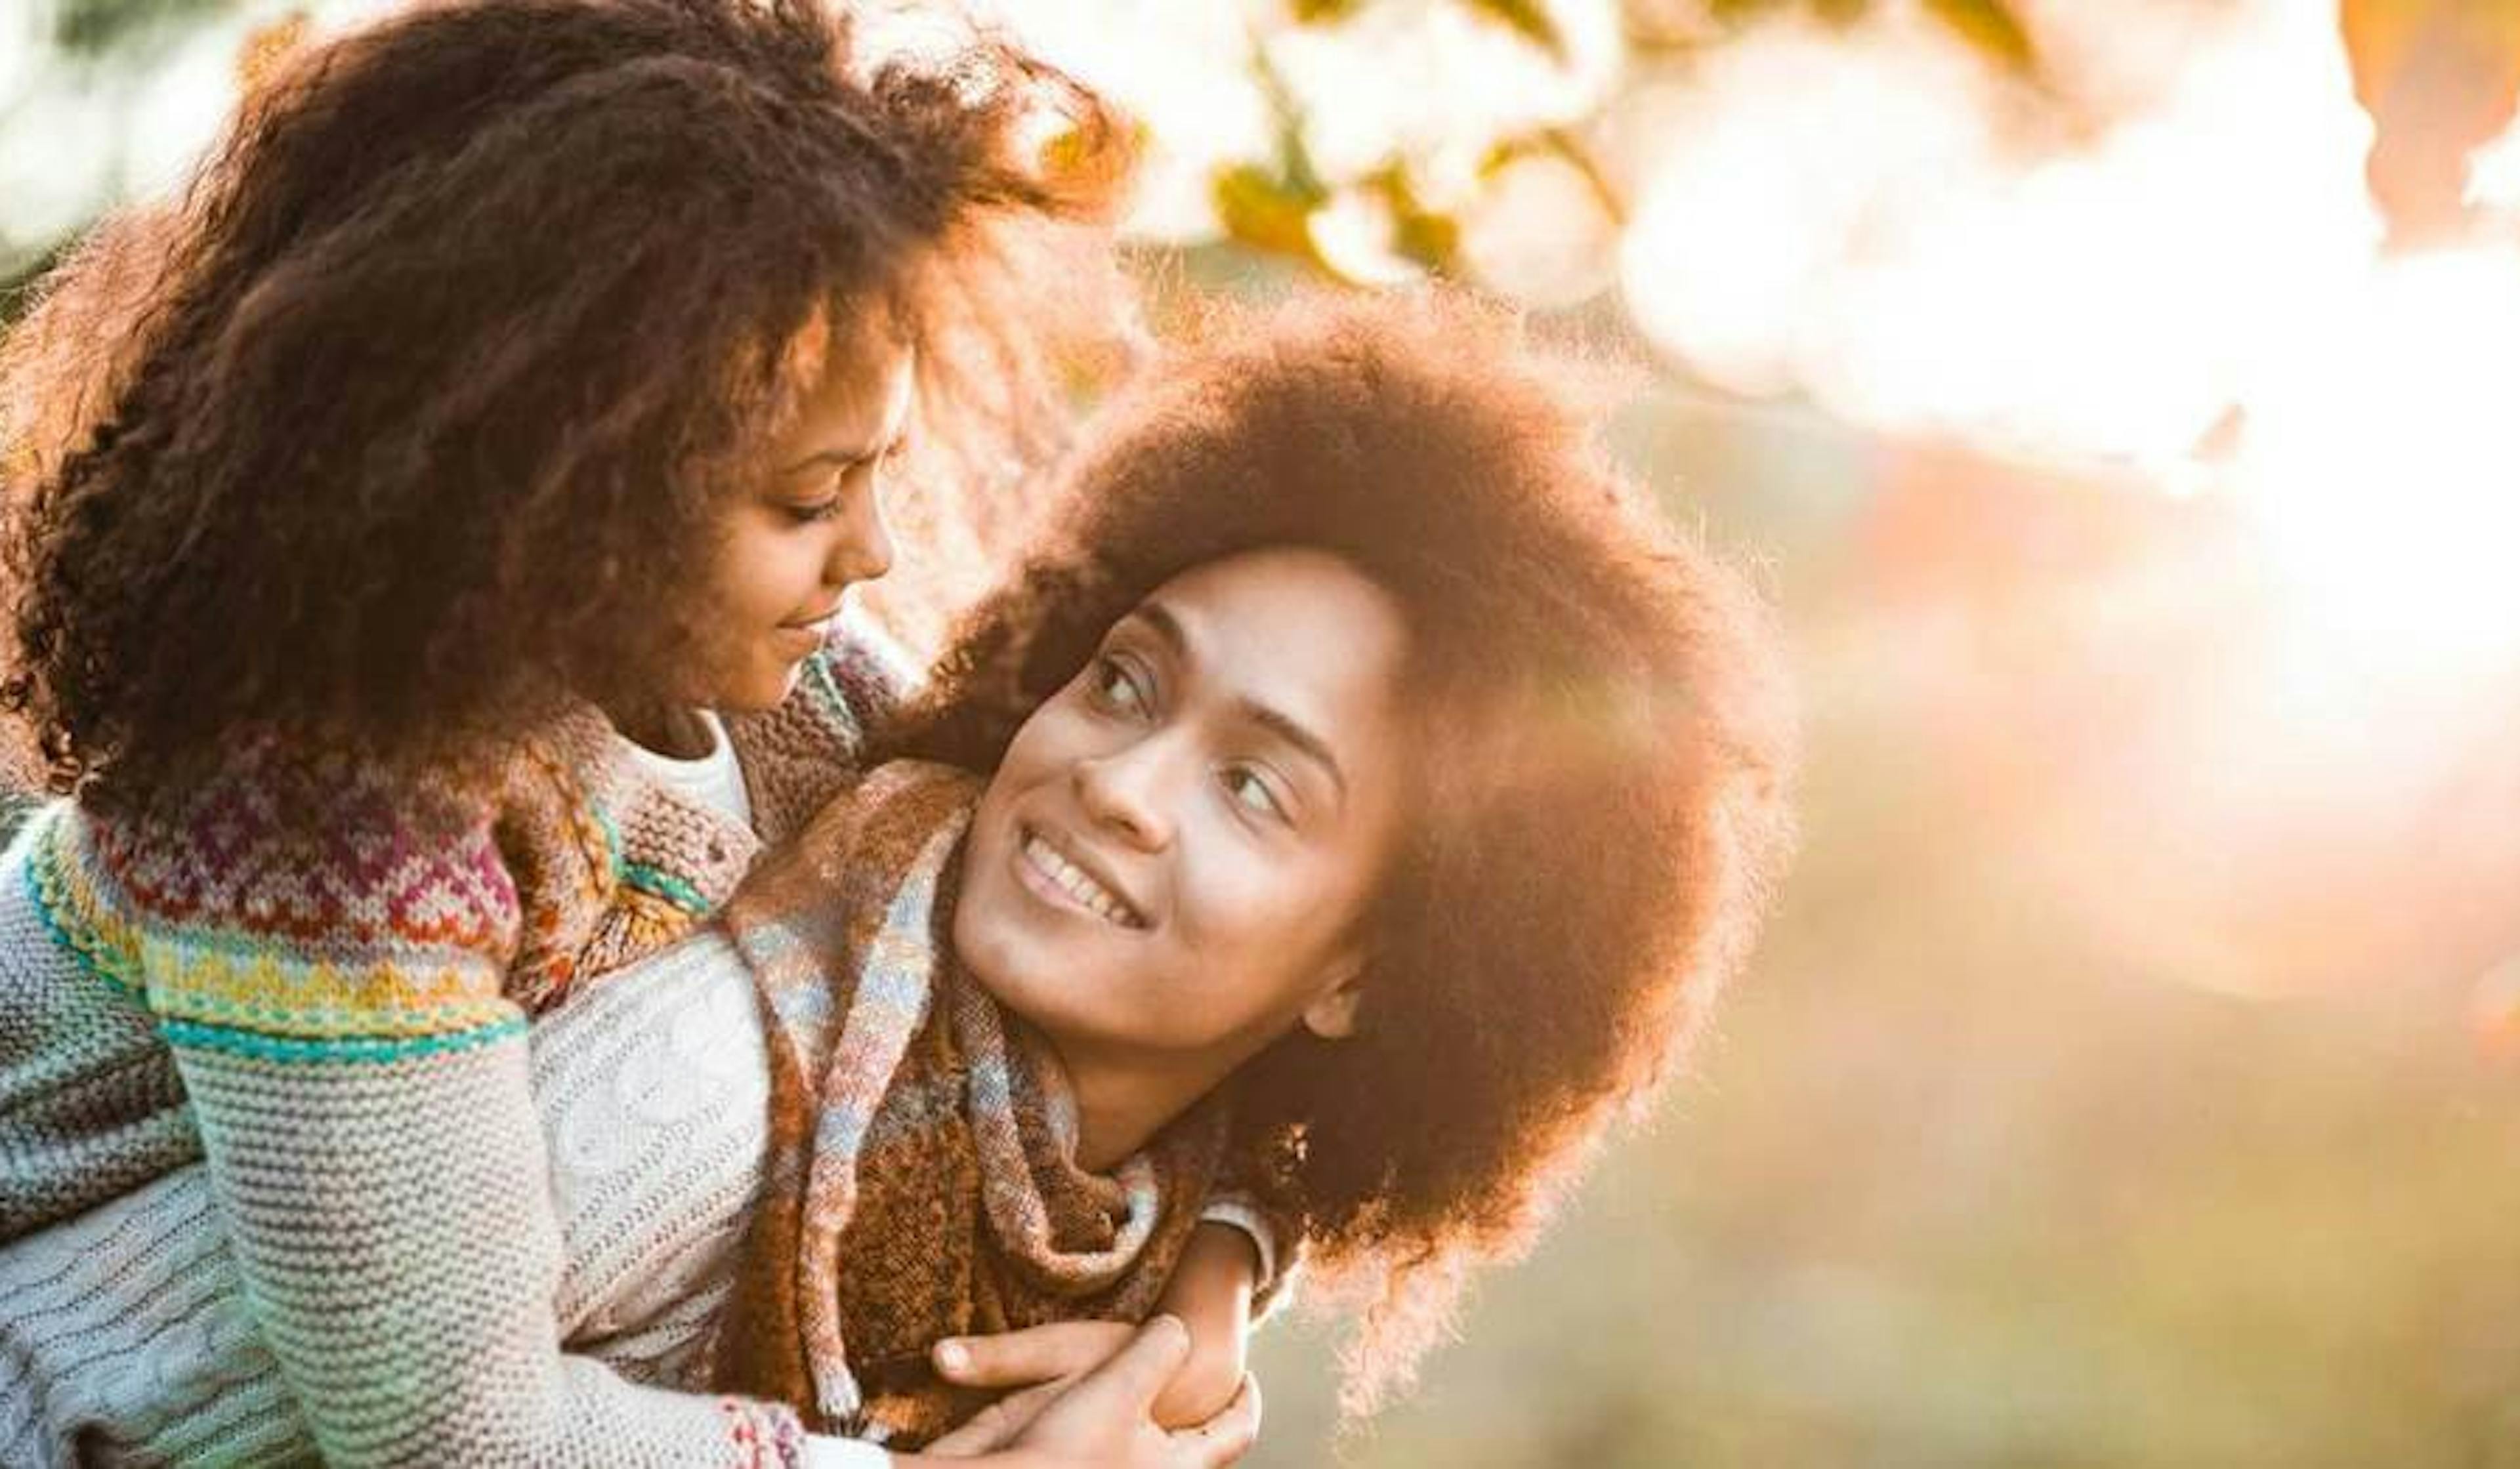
(1077, 883)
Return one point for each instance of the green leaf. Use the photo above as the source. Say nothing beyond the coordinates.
(88, 28)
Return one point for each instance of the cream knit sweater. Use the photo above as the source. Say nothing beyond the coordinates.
(123, 1332)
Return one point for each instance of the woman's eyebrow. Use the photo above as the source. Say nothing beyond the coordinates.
(1156, 615)
(1289, 730)
(1302, 741)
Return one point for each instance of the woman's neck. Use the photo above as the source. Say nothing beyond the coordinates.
(1121, 1104)
(674, 731)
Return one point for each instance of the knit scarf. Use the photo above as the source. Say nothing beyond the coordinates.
(922, 1179)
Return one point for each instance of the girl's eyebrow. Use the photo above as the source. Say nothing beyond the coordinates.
(846, 459)
(1278, 722)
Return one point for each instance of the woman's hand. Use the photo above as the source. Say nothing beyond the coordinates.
(1031, 1366)
(1087, 1391)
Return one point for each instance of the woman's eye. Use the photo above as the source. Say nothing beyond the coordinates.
(816, 512)
(1251, 792)
(1116, 687)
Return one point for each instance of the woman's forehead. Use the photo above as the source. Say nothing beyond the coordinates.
(1297, 632)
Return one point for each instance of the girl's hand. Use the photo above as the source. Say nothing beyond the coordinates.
(1105, 1417)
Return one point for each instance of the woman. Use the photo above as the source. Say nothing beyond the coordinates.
(1378, 799)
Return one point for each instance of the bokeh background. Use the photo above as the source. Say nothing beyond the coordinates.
(2118, 397)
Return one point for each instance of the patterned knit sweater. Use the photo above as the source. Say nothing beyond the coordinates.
(319, 986)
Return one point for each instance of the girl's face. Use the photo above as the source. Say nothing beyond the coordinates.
(790, 542)
(1175, 860)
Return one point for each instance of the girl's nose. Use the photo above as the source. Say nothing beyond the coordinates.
(862, 550)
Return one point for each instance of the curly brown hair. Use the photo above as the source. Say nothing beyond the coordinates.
(1601, 809)
(419, 403)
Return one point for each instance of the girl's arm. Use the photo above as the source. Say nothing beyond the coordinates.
(1210, 1291)
(328, 971)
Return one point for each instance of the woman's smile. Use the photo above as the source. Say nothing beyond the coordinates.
(1050, 871)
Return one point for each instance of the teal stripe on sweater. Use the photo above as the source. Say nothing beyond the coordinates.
(646, 879)
(665, 885)
(352, 1050)
(42, 872)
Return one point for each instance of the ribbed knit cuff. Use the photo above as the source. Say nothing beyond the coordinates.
(1236, 1213)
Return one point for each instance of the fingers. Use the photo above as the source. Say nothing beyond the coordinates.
(1037, 1354)
(1133, 1377)
(1229, 1434)
(994, 1427)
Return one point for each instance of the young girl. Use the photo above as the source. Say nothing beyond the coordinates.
(511, 389)
(1378, 800)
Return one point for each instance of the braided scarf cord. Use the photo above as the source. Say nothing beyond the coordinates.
(921, 1180)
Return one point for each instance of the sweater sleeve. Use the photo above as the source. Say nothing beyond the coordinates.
(327, 960)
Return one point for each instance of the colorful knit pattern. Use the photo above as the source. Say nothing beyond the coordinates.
(918, 1134)
(347, 935)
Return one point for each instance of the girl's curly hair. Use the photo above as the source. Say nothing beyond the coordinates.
(405, 425)
(1602, 797)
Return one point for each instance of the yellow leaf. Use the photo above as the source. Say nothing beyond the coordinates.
(1990, 26)
(1263, 210)
(1530, 20)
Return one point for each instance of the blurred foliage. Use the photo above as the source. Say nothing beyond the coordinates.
(1271, 204)
(1966, 1181)
(93, 27)
(1991, 25)
(1529, 19)
(1268, 205)
(18, 288)
(2439, 77)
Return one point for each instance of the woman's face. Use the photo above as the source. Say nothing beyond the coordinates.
(793, 538)
(1176, 858)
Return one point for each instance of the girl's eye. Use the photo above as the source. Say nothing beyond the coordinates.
(1116, 687)
(837, 483)
(1252, 793)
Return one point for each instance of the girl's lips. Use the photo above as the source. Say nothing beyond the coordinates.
(804, 638)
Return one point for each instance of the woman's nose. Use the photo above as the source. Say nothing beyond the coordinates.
(1123, 793)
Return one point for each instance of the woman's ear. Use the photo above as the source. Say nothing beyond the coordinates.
(1332, 1013)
